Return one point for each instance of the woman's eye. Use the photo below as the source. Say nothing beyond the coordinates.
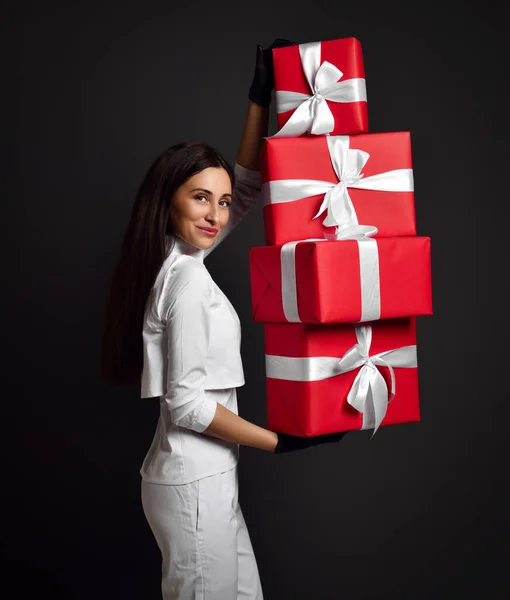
(226, 203)
(201, 196)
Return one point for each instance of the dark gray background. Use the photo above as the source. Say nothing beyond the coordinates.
(92, 93)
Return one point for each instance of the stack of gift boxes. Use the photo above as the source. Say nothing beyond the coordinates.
(343, 275)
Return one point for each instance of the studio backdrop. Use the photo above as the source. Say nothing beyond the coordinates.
(92, 93)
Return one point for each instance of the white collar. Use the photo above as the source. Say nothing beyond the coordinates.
(178, 246)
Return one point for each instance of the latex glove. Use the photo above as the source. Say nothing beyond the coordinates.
(290, 443)
(262, 84)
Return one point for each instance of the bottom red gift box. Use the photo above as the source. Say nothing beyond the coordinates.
(340, 377)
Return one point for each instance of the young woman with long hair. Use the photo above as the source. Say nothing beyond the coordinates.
(168, 324)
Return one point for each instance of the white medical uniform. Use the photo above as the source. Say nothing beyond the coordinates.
(192, 362)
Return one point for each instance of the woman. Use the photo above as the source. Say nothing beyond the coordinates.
(163, 295)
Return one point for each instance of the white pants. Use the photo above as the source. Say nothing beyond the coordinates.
(205, 545)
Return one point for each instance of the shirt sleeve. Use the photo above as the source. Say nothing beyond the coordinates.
(247, 188)
(188, 326)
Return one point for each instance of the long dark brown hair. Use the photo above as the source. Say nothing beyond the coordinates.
(142, 254)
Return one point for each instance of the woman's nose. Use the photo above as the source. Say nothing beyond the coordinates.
(213, 215)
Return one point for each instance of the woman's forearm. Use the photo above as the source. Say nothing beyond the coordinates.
(230, 427)
(255, 129)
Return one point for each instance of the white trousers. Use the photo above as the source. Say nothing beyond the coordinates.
(205, 546)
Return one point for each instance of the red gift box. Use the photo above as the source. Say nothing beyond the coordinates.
(341, 281)
(305, 397)
(365, 178)
(320, 88)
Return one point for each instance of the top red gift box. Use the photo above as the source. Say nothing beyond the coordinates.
(320, 88)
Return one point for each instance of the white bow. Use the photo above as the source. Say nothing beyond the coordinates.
(369, 379)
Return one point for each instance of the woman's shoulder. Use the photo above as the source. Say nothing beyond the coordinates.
(187, 271)
(186, 282)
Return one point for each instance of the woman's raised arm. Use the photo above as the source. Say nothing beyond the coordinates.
(255, 129)
(247, 185)
(257, 116)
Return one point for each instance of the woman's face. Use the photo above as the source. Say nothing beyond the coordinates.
(199, 208)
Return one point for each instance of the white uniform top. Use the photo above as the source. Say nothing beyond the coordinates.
(192, 361)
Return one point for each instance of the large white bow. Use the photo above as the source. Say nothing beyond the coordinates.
(369, 382)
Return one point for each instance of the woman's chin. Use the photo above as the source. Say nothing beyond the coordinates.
(203, 244)
(204, 241)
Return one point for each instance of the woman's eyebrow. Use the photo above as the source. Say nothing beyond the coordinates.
(208, 192)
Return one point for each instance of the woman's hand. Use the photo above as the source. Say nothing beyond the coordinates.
(290, 443)
(263, 76)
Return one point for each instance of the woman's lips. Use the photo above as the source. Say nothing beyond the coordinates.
(208, 231)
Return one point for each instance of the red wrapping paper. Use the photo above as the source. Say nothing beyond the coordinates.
(393, 213)
(346, 54)
(328, 280)
(319, 407)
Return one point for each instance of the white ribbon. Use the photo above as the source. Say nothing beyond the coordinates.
(369, 272)
(369, 392)
(312, 112)
(348, 164)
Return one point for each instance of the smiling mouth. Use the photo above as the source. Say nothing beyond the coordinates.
(208, 230)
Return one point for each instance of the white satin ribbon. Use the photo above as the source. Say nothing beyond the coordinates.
(369, 392)
(369, 272)
(312, 112)
(348, 164)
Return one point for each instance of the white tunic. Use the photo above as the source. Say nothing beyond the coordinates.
(192, 361)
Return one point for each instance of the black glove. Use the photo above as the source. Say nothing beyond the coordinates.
(263, 77)
(290, 443)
